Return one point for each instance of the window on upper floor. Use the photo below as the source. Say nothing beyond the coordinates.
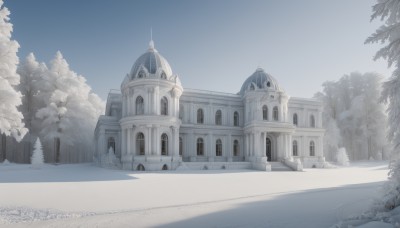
(276, 114)
(164, 106)
(265, 112)
(139, 105)
(312, 121)
(218, 118)
(141, 74)
(200, 116)
(236, 119)
(295, 119)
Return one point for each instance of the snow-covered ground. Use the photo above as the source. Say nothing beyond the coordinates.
(87, 196)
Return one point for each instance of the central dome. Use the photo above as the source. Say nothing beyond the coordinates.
(260, 80)
(151, 63)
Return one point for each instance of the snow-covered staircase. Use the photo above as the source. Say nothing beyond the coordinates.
(279, 166)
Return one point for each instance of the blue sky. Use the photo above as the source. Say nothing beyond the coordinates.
(211, 45)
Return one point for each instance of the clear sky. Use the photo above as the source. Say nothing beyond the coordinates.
(211, 45)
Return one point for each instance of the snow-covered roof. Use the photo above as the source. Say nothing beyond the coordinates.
(260, 80)
(151, 62)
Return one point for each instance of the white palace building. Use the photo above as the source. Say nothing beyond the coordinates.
(156, 124)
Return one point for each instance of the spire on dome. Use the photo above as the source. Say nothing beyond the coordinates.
(151, 44)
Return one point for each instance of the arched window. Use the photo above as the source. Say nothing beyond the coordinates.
(295, 148)
(181, 113)
(141, 74)
(236, 150)
(200, 116)
(139, 105)
(111, 144)
(140, 143)
(180, 146)
(218, 118)
(269, 84)
(200, 147)
(265, 112)
(312, 121)
(312, 148)
(165, 167)
(164, 144)
(163, 75)
(295, 119)
(218, 148)
(252, 87)
(164, 106)
(236, 119)
(276, 117)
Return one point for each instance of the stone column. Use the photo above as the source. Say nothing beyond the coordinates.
(123, 141)
(229, 148)
(172, 152)
(176, 141)
(264, 145)
(257, 143)
(157, 141)
(128, 141)
(291, 145)
(210, 144)
(279, 146)
(148, 141)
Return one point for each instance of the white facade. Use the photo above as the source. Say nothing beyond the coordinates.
(155, 124)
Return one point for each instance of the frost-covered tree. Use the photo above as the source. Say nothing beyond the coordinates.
(37, 159)
(389, 34)
(32, 86)
(71, 109)
(353, 116)
(10, 118)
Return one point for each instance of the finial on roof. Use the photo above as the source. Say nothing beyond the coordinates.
(151, 44)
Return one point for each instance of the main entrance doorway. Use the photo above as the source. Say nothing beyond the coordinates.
(268, 148)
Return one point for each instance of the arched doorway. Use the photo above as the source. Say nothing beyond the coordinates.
(140, 167)
(268, 148)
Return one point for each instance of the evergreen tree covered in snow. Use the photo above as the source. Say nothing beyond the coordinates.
(10, 118)
(389, 34)
(37, 158)
(71, 109)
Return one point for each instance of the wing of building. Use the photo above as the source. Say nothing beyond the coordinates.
(156, 124)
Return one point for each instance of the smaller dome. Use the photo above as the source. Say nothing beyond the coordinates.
(260, 80)
(151, 62)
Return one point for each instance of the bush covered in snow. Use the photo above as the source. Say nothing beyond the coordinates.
(342, 157)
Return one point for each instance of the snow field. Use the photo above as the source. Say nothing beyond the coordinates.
(85, 195)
